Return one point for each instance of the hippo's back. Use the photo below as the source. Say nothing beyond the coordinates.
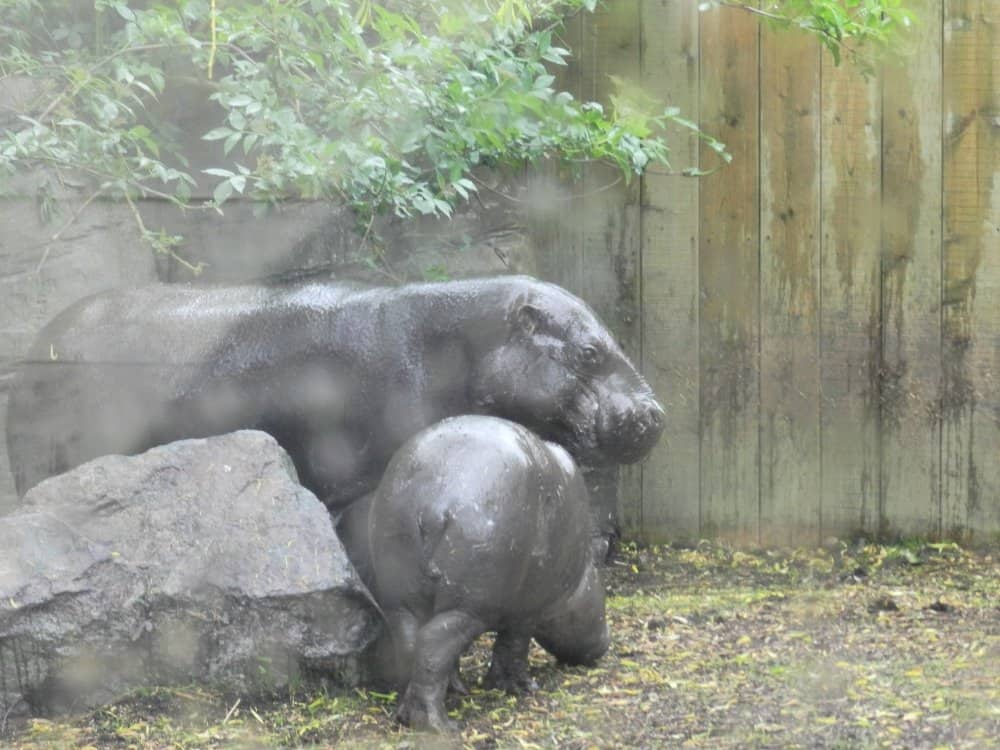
(477, 513)
(106, 374)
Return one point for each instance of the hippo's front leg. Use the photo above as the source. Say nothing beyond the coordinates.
(509, 665)
(440, 642)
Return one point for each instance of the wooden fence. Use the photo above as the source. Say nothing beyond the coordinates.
(821, 318)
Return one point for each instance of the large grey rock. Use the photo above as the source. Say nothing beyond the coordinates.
(202, 560)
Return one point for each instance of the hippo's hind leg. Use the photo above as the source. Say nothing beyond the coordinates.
(391, 658)
(455, 683)
(440, 642)
(509, 665)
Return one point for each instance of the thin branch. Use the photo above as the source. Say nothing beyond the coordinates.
(138, 186)
(213, 13)
(756, 11)
(194, 268)
(72, 220)
(851, 51)
(572, 197)
(66, 92)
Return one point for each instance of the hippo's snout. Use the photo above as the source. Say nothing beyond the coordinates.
(650, 417)
(578, 633)
(584, 649)
(631, 433)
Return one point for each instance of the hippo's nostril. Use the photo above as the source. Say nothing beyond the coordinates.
(655, 416)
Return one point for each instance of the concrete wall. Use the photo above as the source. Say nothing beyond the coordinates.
(40, 276)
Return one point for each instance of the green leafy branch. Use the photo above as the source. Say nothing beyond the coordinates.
(856, 29)
(385, 106)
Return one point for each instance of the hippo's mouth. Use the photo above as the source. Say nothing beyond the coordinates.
(573, 429)
(578, 436)
(597, 437)
(622, 454)
(564, 435)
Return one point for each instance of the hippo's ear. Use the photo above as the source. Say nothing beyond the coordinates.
(528, 318)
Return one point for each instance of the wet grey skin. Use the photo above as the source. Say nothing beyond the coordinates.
(476, 526)
(340, 374)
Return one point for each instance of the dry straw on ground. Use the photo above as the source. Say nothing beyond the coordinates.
(854, 646)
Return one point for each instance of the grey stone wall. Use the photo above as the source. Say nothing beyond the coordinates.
(39, 276)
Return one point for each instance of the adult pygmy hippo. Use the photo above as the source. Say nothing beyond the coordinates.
(340, 374)
(475, 527)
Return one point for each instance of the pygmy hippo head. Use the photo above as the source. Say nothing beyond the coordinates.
(559, 371)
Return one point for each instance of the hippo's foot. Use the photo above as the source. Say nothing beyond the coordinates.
(418, 710)
(440, 642)
(455, 683)
(603, 547)
(509, 666)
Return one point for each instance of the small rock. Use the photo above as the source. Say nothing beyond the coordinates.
(884, 603)
(857, 575)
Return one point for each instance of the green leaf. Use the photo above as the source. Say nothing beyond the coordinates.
(231, 142)
(222, 192)
(125, 12)
(217, 134)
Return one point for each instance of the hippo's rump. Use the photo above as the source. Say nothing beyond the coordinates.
(480, 514)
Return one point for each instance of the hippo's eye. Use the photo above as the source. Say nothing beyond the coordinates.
(591, 356)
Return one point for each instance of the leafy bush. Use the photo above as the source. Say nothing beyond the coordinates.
(385, 106)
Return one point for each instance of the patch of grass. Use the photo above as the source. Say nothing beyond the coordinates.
(853, 646)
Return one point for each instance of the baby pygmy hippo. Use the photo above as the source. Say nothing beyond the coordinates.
(477, 525)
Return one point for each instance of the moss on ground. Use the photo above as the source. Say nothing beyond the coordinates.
(854, 646)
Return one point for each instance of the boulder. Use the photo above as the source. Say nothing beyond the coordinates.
(199, 561)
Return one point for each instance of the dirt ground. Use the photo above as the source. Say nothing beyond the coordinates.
(855, 646)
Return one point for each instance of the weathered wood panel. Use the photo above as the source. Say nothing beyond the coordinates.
(911, 281)
(669, 236)
(729, 245)
(614, 248)
(971, 301)
(790, 262)
(553, 211)
(591, 238)
(821, 317)
(849, 302)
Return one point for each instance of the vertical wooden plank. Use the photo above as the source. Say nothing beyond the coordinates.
(789, 283)
(611, 281)
(552, 209)
(911, 280)
(592, 243)
(729, 245)
(971, 298)
(849, 302)
(609, 206)
(669, 222)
